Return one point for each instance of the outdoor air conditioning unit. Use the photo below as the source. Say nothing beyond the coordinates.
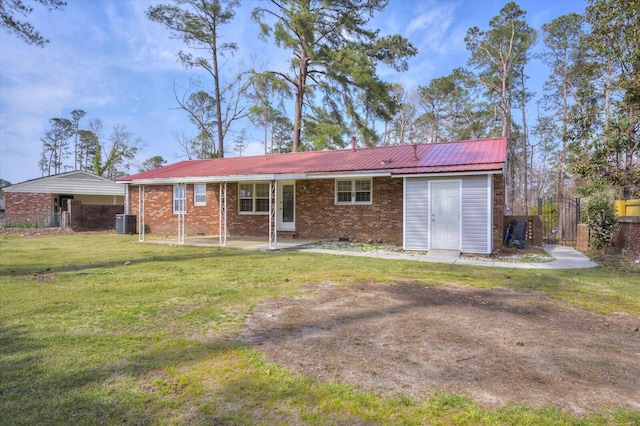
(126, 224)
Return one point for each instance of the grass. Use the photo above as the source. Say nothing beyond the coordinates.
(98, 329)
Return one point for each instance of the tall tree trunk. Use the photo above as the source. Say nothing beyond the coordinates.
(216, 80)
(300, 90)
(525, 145)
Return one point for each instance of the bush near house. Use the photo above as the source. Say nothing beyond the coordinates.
(600, 215)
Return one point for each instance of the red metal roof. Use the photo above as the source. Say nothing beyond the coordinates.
(461, 156)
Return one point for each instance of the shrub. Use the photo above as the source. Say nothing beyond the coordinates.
(600, 215)
(20, 225)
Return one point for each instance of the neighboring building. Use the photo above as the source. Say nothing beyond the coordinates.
(422, 197)
(97, 200)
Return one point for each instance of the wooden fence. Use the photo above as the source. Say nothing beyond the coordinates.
(628, 208)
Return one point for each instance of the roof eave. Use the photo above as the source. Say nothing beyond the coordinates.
(216, 179)
(351, 174)
(448, 174)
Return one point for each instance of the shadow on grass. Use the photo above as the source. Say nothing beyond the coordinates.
(136, 389)
(42, 267)
(409, 297)
(32, 391)
(508, 340)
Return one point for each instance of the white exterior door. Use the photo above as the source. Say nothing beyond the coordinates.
(445, 215)
(287, 206)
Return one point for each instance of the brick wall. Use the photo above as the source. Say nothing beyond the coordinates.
(316, 214)
(583, 238)
(26, 206)
(160, 219)
(89, 217)
(627, 235)
(244, 224)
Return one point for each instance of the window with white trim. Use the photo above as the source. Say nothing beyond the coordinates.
(254, 197)
(200, 194)
(353, 191)
(179, 198)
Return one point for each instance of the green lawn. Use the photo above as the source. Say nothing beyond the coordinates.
(99, 329)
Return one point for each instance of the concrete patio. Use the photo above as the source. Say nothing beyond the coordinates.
(246, 243)
(563, 257)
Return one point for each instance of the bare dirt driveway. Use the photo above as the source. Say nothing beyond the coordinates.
(498, 346)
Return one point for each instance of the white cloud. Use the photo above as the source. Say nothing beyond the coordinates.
(434, 29)
(107, 58)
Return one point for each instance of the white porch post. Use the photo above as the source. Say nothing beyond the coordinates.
(182, 211)
(273, 216)
(141, 213)
(222, 216)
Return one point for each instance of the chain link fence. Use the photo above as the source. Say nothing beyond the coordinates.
(31, 220)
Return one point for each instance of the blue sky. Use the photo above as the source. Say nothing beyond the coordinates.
(108, 59)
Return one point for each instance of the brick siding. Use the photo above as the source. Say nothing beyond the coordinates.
(627, 234)
(26, 206)
(85, 217)
(316, 214)
(160, 219)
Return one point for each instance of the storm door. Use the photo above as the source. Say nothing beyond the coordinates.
(287, 206)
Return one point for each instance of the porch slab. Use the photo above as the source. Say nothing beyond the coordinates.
(245, 243)
(442, 256)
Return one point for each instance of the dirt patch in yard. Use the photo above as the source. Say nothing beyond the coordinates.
(498, 346)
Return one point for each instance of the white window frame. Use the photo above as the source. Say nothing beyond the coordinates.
(254, 198)
(353, 183)
(200, 194)
(179, 198)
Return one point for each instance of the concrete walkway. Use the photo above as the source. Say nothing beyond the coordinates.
(564, 258)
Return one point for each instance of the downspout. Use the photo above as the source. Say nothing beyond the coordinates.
(182, 212)
(127, 200)
(222, 215)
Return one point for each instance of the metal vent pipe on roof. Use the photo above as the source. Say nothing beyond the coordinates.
(354, 142)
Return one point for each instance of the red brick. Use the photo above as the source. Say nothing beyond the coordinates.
(317, 215)
(627, 234)
(583, 239)
(85, 217)
(27, 207)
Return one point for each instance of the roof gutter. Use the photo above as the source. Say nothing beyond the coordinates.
(213, 179)
(447, 174)
(254, 178)
(343, 175)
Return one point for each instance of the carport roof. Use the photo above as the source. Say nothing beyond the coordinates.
(450, 157)
(76, 182)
